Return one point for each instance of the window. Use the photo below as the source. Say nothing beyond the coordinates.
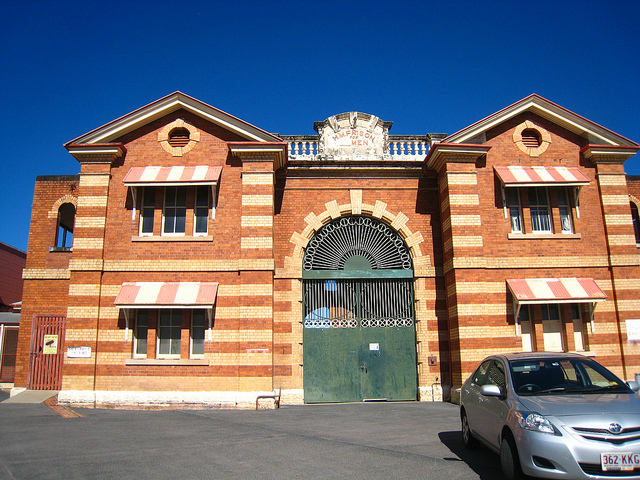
(146, 211)
(515, 211)
(201, 211)
(66, 220)
(140, 334)
(169, 333)
(181, 205)
(636, 221)
(175, 211)
(539, 207)
(566, 222)
(481, 372)
(197, 333)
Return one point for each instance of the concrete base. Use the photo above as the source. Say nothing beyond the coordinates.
(31, 396)
(157, 400)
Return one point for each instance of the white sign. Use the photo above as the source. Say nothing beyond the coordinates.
(79, 352)
(633, 330)
(374, 347)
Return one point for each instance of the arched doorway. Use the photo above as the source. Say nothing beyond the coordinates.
(359, 337)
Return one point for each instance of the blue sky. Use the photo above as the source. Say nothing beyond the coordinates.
(72, 66)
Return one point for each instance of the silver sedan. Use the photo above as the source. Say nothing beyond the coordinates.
(553, 415)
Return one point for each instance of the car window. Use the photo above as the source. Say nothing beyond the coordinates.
(480, 374)
(495, 376)
(560, 376)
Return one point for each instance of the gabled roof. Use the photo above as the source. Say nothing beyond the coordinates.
(177, 100)
(594, 133)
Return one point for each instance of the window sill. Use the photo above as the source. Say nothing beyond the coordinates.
(158, 361)
(543, 236)
(183, 238)
(60, 249)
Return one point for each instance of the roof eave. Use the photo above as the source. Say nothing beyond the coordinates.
(165, 106)
(546, 109)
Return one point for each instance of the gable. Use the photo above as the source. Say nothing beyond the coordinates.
(164, 106)
(592, 132)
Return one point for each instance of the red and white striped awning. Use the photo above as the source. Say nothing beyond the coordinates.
(555, 290)
(177, 175)
(540, 176)
(167, 295)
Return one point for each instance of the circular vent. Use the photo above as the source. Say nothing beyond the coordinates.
(531, 138)
(179, 137)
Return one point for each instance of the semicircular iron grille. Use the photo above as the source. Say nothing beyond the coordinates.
(347, 237)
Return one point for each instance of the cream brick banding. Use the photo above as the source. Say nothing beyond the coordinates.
(94, 180)
(465, 220)
(46, 274)
(457, 178)
(90, 222)
(88, 243)
(612, 180)
(256, 178)
(88, 290)
(93, 201)
(615, 199)
(256, 242)
(618, 219)
(257, 200)
(256, 221)
(468, 199)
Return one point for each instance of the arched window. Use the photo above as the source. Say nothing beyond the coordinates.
(66, 220)
(636, 221)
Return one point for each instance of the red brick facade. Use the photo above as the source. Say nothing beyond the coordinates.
(269, 202)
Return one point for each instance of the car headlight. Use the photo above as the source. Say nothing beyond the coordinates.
(535, 422)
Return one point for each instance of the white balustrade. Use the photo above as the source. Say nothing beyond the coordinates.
(399, 149)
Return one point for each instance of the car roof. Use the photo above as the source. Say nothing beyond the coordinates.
(538, 355)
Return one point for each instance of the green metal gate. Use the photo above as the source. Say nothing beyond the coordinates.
(359, 340)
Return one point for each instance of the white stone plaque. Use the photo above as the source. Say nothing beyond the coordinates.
(633, 330)
(79, 352)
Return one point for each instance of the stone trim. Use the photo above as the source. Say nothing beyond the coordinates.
(293, 264)
(163, 137)
(545, 138)
(53, 213)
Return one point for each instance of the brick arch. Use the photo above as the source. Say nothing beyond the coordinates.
(398, 222)
(53, 213)
(634, 199)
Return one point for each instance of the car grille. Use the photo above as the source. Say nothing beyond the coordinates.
(603, 435)
(595, 469)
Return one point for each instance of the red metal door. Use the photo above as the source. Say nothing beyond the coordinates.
(47, 352)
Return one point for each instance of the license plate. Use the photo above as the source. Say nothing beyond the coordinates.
(619, 461)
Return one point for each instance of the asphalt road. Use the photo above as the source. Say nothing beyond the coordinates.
(356, 441)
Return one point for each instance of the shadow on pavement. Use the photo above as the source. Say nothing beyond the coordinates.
(481, 460)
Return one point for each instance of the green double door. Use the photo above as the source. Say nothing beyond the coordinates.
(359, 341)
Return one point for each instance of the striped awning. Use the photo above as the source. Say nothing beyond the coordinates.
(555, 290)
(167, 295)
(540, 176)
(177, 175)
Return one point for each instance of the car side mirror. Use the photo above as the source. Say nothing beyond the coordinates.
(633, 385)
(491, 391)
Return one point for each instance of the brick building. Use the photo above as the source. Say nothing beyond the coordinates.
(12, 261)
(197, 259)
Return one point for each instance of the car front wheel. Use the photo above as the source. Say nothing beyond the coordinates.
(509, 460)
(467, 437)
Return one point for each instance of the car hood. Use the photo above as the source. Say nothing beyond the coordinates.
(592, 404)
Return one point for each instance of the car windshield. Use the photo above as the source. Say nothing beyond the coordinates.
(553, 376)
